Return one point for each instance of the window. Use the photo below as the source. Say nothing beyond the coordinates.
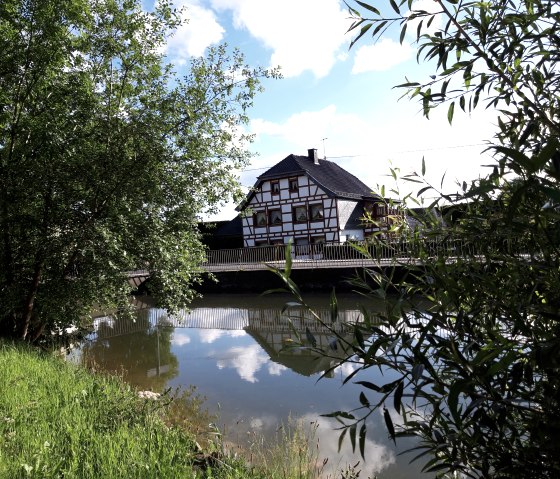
(275, 217)
(293, 185)
(318, 239)
(300, 214)
(261, 243)
(275, 187)
(316, 212)
(381, 209)
(260, 218)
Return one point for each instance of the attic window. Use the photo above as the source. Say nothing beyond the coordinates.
(294, 185)
(275, 187)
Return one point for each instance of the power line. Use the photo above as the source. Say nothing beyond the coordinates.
(396, 153)
(418, 150)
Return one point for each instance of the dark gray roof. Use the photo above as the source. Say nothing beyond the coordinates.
(335, 180)
(229, 228)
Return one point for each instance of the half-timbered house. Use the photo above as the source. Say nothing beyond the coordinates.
(309, 200)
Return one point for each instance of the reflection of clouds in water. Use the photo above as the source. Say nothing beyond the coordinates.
(236, 333)
(180, 339)
(256, 423)
(208, 336)
(245, 360)
(378, 456)
(346, 369)
(275, 369)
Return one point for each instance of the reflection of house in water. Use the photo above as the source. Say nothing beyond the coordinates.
(278, 332)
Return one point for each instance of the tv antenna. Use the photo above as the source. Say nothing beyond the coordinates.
(324, 152)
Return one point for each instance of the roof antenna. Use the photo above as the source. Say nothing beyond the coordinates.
(324, 152)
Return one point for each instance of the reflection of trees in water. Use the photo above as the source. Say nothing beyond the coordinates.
(143, 357)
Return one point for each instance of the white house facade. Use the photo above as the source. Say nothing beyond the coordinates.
(308, 200)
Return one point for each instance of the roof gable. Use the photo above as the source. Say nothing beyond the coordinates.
(336, 181)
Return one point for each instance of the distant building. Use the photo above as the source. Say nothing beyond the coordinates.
(222, 234)
(309, 200)
(423, 220)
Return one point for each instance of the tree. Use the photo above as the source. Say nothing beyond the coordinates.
(471, 337)
(107, 157)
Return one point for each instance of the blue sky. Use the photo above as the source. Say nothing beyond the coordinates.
(330, 92)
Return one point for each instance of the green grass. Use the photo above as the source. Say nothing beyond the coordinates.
(58, 420)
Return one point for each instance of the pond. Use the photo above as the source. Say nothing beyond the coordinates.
(237, 350)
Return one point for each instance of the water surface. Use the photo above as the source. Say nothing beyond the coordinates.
(238, 351)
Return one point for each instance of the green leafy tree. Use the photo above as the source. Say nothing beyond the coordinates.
(107, 156)
(471, 336)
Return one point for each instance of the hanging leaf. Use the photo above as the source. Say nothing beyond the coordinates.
(353, 436)
(389, 424)
(342, 414)
(288, 255)
(333, 307)
(363, 31)
(398, 396)
(417, 371)
(341, 438)
(403, 33)
(450, 112)
(363, 399)
(368, 7)
(362, 440)
(369, 385)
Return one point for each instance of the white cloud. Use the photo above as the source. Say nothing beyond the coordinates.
(379, 456)
(180, 339)
(275, 369)
(247, 361)
(381, 56)
(307, 129)
(368, 147)
(303, 35)
(208, 336)
(200, 30)
(345, 369)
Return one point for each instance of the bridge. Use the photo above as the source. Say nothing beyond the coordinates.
(333, 255)
(327, 256)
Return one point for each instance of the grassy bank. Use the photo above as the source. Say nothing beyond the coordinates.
(57, 420)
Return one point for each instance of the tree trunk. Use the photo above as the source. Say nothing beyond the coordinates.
(29, 303)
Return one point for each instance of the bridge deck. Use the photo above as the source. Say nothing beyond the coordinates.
(310, 264)
(326, 256)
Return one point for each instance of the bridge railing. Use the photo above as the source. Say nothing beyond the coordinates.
(338, 254)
